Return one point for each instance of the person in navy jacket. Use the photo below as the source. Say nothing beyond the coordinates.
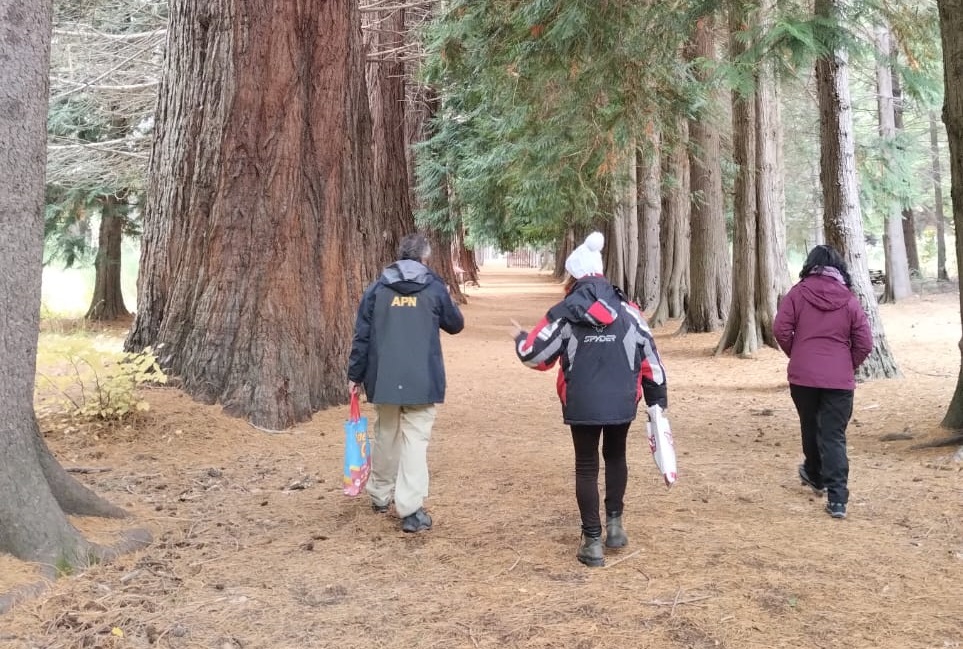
(396, 355)
(822, 328)
(608, 363)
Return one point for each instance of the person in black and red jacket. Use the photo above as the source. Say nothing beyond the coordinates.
(609, 362)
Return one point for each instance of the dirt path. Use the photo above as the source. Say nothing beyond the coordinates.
(256, 547)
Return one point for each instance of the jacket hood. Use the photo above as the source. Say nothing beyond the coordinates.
(593, 301)
(824, 292)
(406, 276)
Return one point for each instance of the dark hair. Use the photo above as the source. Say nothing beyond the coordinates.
(414, 246)
(824, 256)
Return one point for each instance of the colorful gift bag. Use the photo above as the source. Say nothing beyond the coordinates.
(661, 445)
(357, 450)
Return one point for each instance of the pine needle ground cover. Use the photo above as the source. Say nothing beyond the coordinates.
(256, 547)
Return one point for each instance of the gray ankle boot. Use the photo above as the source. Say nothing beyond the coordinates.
(590, 551)
(615, 536)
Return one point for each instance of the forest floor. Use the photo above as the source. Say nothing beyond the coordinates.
(256, 547)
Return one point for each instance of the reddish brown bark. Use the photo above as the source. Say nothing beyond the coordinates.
(258, 205)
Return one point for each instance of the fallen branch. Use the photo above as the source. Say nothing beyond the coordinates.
(677, 601)
(625, 558)
(88, 469)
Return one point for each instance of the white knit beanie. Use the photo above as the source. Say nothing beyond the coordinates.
(587, 258)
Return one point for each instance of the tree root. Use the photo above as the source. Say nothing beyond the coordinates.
(131, 541)
(953, 440)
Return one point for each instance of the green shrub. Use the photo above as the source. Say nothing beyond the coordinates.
(97, 383)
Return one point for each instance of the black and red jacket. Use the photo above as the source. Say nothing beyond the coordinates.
(609, 360)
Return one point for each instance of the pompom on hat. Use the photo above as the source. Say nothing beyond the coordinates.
(587, 258)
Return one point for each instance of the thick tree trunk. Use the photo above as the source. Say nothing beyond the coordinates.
(951, 27)
(941, 273)
(648, 280)
(391, 187)
(898, 285)
(842, 219)
(909, 219)
(108, 300)
(674, 231)
(258, 206)
(709, 275)
(37, 493)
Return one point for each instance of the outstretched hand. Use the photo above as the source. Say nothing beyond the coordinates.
(515, 330)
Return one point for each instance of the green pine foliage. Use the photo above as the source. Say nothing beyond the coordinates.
(540, 101)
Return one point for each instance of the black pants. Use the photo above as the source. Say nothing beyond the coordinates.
(586, 440)
(823, 417)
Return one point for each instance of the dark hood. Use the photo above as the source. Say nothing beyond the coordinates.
(406, 276)
(824, 292)
(593, 301)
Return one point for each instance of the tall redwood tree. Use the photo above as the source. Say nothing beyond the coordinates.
(257, 198)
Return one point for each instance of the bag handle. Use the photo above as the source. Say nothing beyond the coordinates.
(355, 407)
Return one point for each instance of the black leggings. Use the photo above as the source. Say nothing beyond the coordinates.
(586, 440)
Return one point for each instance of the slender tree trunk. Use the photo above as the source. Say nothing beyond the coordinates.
(772, 268)
(616, 236)
(909, 219)
(563, 249)
(258, 206)
(108, 300)
(941, 273)
(709, 289)
(391, 187)
(425, 104)
(742, 329)
(37, 493)
(842, 219)
(674, 231)
(898, 285)
(951, 27)
(648, 280)
(632, 217)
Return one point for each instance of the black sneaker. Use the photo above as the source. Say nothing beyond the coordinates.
(836, 510)
(379, 509)
(816, 486)
(417, 522)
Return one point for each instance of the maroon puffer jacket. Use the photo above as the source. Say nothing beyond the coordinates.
(824, 332)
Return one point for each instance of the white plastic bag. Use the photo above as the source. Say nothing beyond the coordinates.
(661, 444)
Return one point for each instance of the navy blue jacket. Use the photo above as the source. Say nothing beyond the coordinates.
(608, 356)
(396, 352)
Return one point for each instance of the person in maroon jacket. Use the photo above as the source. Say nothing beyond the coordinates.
(824, 332)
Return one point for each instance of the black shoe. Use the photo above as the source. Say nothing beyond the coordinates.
(417, 522)
(615, 536)
(379, 509)
(590, 551)
(815, 485)
(836, 510)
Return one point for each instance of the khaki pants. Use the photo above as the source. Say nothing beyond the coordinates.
(399, 456)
